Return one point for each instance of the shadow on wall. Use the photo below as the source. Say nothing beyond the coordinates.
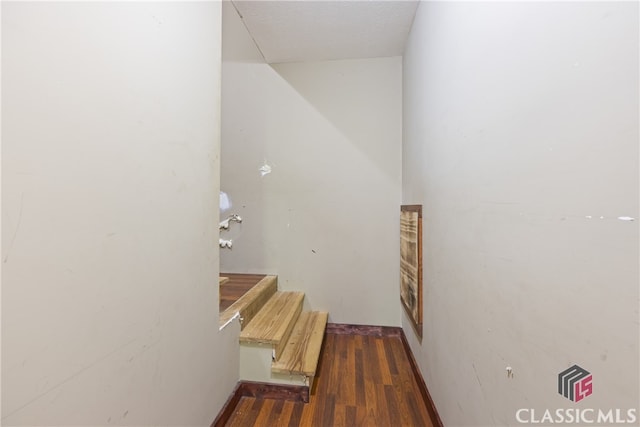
(325, 218)
(354, 95)
(300, 139)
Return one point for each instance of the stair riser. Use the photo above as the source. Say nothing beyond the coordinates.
(255, 365)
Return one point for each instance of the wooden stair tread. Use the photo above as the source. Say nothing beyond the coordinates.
(249, 304)
(302, 351)
(223, 280)
(275, 320)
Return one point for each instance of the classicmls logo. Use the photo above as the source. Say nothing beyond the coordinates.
(575, 383)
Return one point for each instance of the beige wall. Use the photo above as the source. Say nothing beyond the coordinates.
(110, 174)
(326, 218)
(520, 133)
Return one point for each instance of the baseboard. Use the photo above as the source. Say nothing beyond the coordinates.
(261, 391)
(227, 410)
(431, 407)
(295, 393)
(376, 331)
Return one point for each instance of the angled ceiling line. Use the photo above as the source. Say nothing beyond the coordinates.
(324, 30)
(255, 42)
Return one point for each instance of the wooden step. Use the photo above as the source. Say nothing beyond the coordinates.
(274, 322)
(302, 351)
(223, 280)
(251, 302)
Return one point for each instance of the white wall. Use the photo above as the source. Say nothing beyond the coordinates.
(520, 132)
(110, 173)
(326, 219)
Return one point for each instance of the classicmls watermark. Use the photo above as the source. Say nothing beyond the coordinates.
(576, 384)
(577, 416)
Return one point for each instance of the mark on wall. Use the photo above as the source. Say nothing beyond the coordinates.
(509, 370)
(225, 201)
(265, 169)
(69, 378)
(621, 218)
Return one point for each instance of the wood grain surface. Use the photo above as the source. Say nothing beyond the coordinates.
(362, 380)
(302, 351)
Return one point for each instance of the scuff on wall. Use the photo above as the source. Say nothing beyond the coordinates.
(225, 202)
(621, 218)
(265, 169)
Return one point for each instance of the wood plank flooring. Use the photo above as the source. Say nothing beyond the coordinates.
(235, 287)
(362, 380)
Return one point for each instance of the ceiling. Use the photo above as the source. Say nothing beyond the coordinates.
(316, 30)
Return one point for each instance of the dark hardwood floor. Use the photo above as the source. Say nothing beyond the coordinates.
(235, 287)
(363, 380)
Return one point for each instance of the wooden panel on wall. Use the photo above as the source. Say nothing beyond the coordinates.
(411, 263)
